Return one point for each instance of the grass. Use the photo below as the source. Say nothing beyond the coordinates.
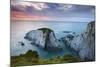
(46, 30)
(32, 58)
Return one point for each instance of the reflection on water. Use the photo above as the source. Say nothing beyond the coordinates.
(19, 29)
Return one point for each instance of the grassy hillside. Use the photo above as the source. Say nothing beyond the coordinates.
(32, 58)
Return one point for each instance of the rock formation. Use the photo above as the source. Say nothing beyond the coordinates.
(44, 38)
(83, 43)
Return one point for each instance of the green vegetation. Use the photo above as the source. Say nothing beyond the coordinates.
(46, 30)
(32, 58)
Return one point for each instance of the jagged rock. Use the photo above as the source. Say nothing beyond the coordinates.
(36, 37)
(43, 37)
(84, 43)
(89, 37)
(67, 39)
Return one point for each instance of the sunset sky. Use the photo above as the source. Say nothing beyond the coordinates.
(27, 10)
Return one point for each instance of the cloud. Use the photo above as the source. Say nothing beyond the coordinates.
(36, 6)
(28, 9)
(65, 7)
(15, 15)
(40, 6)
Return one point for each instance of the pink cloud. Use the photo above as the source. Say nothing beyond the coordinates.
(15, 15)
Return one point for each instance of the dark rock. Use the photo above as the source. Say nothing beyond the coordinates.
(21, 43)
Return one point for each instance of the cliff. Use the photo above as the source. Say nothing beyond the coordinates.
(83, 43)
(44, 38)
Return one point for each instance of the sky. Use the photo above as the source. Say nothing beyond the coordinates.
(41, 11)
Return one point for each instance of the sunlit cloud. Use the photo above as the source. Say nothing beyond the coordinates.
(22, 16)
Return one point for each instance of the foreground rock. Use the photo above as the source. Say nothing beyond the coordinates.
(44, 38)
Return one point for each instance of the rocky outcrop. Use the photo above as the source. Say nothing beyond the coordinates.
(89, 37)
(83, 43)
(44, 38)
(67, 38)
(36, 37)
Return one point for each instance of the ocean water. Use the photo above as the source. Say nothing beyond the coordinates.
(19, 29)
